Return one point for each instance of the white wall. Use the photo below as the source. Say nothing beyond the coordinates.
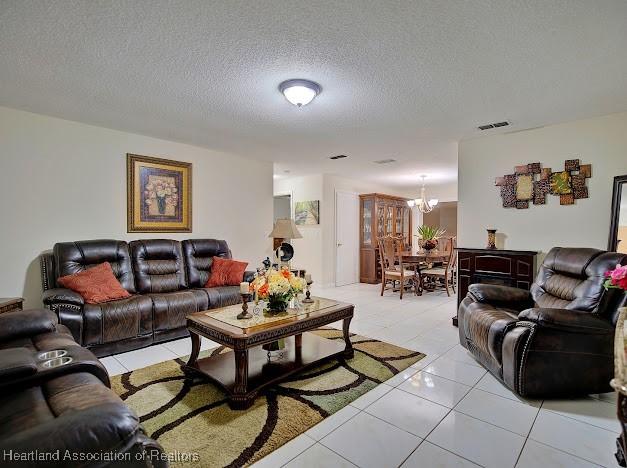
(307, 251)
(600, 141)
(64, 181)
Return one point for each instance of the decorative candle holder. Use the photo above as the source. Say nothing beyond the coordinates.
(308, 299)
(245, 314)
(491, 239)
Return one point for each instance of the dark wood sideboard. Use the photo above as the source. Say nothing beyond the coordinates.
(515, 268)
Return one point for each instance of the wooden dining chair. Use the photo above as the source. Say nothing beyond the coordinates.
(392, 268)
(443, 276)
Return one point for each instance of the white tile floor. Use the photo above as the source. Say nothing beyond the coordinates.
(444, 411)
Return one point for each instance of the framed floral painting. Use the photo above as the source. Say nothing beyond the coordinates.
(159, 194)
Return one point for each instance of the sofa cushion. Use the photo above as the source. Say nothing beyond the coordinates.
(74, 257)
(222, 296)
(96, 284)
(198, 254)
(158, 265)
(117, 320)
(170, 310)
(226, 272)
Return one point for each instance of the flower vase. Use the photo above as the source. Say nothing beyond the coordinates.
(276, 305)
(161, 204)
(430, 244)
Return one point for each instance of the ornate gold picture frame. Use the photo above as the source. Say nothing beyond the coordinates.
(159, 194)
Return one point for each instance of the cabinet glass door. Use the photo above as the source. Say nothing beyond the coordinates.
(380, 220)
(398, 221)
(406, 223)
(389, 215)
(367, 222)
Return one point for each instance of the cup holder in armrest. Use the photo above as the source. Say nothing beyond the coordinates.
(56, 353)
(57, 362)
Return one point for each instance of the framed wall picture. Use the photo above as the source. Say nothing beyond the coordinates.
(159, 194)
(307, 212)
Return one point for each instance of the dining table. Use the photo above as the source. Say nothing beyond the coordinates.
(414, 259)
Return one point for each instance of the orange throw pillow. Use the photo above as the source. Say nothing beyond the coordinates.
(97, 284)
(226, 272)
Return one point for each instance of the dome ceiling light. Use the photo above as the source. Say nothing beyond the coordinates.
(300, 92)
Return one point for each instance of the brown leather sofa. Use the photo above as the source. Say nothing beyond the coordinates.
(68, 410)
(555, 340)
(165, 277)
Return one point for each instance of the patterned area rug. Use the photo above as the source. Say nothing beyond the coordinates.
(193, 417)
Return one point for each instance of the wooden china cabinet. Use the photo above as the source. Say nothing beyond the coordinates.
(380, 215)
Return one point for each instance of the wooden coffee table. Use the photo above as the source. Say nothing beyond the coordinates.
(246, 371)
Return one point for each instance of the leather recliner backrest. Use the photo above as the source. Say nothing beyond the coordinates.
(158, 265)
(572, 278)
(74, 257)
(198, 254)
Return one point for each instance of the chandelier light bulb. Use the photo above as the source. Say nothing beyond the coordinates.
(422, 204)
(300, 92)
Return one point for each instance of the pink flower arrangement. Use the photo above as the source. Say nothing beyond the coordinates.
(617, 278)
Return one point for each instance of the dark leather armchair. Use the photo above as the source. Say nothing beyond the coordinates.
(68, 409)
(556, 339)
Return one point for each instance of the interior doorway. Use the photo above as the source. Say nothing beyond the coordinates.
(347, 238)
(444, 215)
(282, 207)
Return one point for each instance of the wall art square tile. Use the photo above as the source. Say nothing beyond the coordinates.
(307, 212)
(571, 165)
(585, 170)
(524, 187)
(560, 183)
(567, 199)
(534, 168)
(159, 195)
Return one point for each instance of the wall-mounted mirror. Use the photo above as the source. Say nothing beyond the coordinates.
(618, 224)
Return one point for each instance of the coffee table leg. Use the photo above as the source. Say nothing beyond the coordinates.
(240, 399)
(193, 357)
(348, 351)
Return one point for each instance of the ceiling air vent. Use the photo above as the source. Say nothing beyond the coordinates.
(493, 125)
(339, 156)
(385, 161)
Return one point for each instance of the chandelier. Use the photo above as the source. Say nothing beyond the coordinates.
(424, 205)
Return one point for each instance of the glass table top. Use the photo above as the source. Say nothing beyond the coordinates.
(262, 318)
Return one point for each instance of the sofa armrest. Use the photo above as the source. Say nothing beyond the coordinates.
(66, 296)
(249, 275)
(567, 320)
(501, 295)
(16, 363)
(26, 323)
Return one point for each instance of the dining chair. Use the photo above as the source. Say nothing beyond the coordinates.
(392, 268)
(443, 276)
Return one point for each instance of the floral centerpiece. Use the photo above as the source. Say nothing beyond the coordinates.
(429, 236)
(277, 287)
(616, 278)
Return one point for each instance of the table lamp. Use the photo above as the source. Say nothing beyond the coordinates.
(284, 229)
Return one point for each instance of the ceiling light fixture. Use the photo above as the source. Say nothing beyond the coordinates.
(421, 203)
(300, 92)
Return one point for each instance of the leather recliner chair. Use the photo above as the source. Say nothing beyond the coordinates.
(67, 413)
(555, 340)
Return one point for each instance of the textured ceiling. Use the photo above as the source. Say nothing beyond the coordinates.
(401, 79)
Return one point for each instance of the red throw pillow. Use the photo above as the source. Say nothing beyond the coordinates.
(226, 272)
(97, 284)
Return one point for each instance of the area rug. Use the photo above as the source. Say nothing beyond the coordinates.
(193, 418)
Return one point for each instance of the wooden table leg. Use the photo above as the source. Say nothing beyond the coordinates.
(348, 351)
(193, 357)
(240, 399)
(298, 340)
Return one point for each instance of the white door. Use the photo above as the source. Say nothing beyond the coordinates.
(346, 238)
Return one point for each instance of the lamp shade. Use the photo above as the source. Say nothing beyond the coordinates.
(285, 229)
